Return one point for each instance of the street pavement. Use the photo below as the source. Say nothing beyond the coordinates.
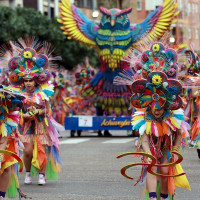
(91, 171)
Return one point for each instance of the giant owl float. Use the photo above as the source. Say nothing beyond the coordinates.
(112, 38)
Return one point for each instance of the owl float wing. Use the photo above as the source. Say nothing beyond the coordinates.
(156, 24)
(76, 25)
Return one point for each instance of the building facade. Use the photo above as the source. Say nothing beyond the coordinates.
(187, 29)
(11, 3)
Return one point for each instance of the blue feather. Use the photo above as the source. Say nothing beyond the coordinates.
(179, 116)
(48, 92)
(137, 126)
(56, 155)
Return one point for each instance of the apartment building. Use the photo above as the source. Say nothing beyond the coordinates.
(187, 29)
(11, 3)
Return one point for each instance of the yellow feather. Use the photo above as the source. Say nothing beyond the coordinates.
(161, 26)
(169, 5)
(174, 122)
(165, 19)
(148, 129)
(159, 30)
(64, 8)
(2, 130)
(68, 20)
(137, 117)
(66, 3)
(66, 14)
(166, 16)
(166, 2)
(157, 34)
(71, 27)
(59, 20)
(174, 21)
(151, 35)
(46, 122)
(177, 13)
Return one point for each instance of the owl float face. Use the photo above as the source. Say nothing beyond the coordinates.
(115, 17)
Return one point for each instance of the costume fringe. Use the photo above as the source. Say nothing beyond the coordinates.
(34, 171)
(51, 174)
(12, 187)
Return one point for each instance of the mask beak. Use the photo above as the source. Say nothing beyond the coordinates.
(112, 22)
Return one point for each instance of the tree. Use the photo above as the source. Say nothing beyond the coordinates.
(23, 22)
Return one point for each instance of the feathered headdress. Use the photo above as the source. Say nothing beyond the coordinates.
(153, 83)
(29, 59)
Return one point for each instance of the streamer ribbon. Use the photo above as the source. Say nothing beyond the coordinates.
(152, 164)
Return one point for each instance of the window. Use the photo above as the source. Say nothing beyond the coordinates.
(180, 5)
(190, 33)
(80, 3)
(139, 4)
(197, 33)
(89, 4)
(189, 8)
(193, 8)
(196, 8)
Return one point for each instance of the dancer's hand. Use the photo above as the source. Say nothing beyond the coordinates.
(28, 116)
(147, 159)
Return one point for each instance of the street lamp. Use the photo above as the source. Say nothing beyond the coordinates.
(95, 13)
(172, 39)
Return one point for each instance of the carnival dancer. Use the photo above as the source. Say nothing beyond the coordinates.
(30, 77)
(10, 104)
(192, 94)
(61, 84)
(161, 122)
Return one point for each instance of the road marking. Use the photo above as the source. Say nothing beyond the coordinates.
(73, 141)
(118, 141)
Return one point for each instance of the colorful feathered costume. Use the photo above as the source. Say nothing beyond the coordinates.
(60, 91)
(10, 103)
(112, 38)
(155, 88)
(191, 82)
(30, 61)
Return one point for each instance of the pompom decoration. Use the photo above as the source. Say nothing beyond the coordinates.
(13, 63)
(138, 65)
(42, 61)
(43, 77)
(14, 79)
(144, 57)
(28, 53)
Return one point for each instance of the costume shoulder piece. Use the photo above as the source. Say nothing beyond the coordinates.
(172, 121)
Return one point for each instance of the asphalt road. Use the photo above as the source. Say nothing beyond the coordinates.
(91, 171)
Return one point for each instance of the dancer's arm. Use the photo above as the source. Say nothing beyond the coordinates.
(145, 146)
(177, 141)
(145, 143)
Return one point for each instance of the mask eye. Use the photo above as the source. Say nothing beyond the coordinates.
(107, 17)
(121, 17)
